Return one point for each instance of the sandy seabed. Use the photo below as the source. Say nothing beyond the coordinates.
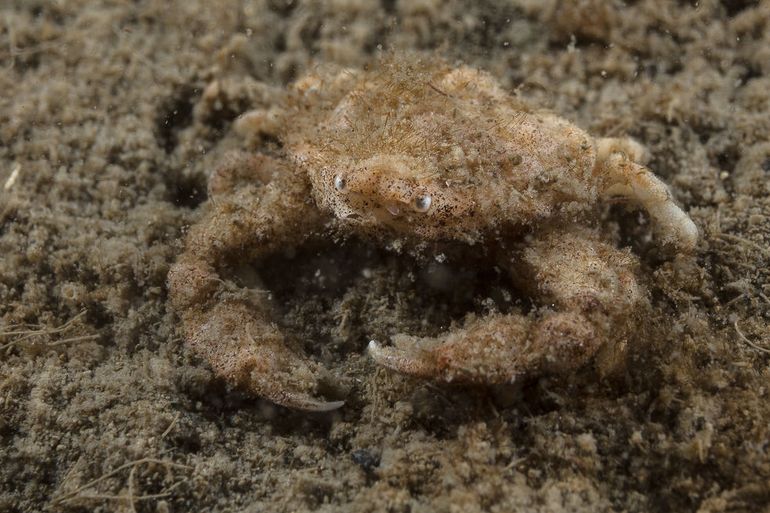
(105, 148)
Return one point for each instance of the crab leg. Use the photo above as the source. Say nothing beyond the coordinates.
(492, 349)
(231, 327)
(623, 177)
(591, 293)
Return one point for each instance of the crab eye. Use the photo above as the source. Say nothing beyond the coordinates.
(339, 183)
(422, 203)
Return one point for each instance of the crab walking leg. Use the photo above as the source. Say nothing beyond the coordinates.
(241, 167)
(625, 178)
(591, 293)
(230, 327)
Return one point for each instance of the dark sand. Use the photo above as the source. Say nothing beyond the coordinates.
(101, 116)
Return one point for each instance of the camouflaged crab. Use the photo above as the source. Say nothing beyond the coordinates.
(424, 153)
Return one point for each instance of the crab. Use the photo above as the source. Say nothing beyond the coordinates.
(412, 155)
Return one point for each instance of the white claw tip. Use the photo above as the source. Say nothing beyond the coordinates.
(332, 405)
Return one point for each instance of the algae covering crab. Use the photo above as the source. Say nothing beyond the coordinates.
(414, 155)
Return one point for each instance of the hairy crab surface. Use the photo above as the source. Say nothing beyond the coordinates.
(424, 154)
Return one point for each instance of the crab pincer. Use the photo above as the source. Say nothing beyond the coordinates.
(231, 327)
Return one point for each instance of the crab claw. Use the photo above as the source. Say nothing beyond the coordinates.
(414, 363)
(496, 349)
(486, 350)
(246, 349)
